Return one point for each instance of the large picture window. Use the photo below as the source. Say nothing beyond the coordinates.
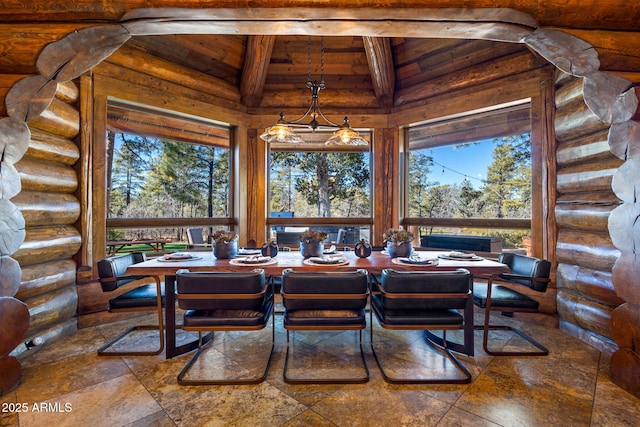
(164, 167)
(471, 169)
(318, 182)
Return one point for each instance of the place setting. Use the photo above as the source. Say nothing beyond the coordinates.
(460, 256)
(253, 260)
(177, 257)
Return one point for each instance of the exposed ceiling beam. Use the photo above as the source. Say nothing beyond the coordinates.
(254, 72)
(383, 77)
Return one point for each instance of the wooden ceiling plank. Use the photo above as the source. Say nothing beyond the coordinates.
(380, 59)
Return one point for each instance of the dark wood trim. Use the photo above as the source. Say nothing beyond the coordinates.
(319, 221)
(166, 222)
(502, 223)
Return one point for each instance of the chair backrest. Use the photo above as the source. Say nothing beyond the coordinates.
(306, 290)
(341, 234)
(111, 268)
(528, 269)
(194, 236)
(411, 283)
(222, 290)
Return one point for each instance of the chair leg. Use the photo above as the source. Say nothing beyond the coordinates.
(444, 347)
(225, 381)
(354, 380)
(543, 351)
(160, 328)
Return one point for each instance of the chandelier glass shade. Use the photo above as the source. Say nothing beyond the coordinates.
(283, 131)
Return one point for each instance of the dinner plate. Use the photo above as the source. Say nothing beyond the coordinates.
(253, 261)
(325, 261)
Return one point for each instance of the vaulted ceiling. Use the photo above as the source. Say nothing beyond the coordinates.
(360, 73)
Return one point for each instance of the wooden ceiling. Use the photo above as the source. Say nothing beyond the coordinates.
(360, 73)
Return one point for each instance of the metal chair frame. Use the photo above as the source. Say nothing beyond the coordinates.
(447, 346)
(135, 281)
(202, 343)
(358, 327)
(487, 326)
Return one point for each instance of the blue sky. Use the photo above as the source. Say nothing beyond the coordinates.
(453, 164)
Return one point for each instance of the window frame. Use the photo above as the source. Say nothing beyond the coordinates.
(480, 223)
(315, 145)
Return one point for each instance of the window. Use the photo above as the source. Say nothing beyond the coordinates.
(161, 166)
(318, 182)
(471, 171)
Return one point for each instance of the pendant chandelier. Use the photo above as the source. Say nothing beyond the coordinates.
(283, 131)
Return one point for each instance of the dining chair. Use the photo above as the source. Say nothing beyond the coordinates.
(140, 296)
(224, 301)
(427, 301)
(324, 300)
(499, 293)
(195, 239)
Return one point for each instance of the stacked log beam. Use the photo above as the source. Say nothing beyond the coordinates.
(49, 209)
(585, 253)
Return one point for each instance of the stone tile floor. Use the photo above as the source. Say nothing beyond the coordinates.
(66, 384)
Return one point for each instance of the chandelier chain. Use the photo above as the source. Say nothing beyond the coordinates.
(322, 63)
(308, 60)
(309, 81)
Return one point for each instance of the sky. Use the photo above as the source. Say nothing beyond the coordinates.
(453, 164)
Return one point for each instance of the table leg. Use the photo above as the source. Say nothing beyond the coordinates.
(170, 315)
(171, 349)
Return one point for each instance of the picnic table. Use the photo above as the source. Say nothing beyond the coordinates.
(115, 246)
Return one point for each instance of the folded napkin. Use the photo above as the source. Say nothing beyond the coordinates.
(326, 260)
(417, 260)
(460, 255)
(330, 250)
(178, 255)
(245, 251)
(255, 259)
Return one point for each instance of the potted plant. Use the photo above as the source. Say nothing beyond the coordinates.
(399, 242)
(225, 244)
(312, 243)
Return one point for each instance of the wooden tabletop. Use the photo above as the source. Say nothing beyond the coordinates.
(374, 264)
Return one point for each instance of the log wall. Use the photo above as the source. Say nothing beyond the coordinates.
(50, 209)
(585, 253)
(588, 262)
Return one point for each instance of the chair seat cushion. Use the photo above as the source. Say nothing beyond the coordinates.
(434, 317)
(211, 318)
(324, 318)
(502, 297)
(142, 296)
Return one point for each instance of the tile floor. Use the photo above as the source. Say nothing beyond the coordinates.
(68, 385)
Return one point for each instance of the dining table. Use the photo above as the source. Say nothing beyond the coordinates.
(167, 266)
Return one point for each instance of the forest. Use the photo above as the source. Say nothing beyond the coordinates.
(156, 178)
